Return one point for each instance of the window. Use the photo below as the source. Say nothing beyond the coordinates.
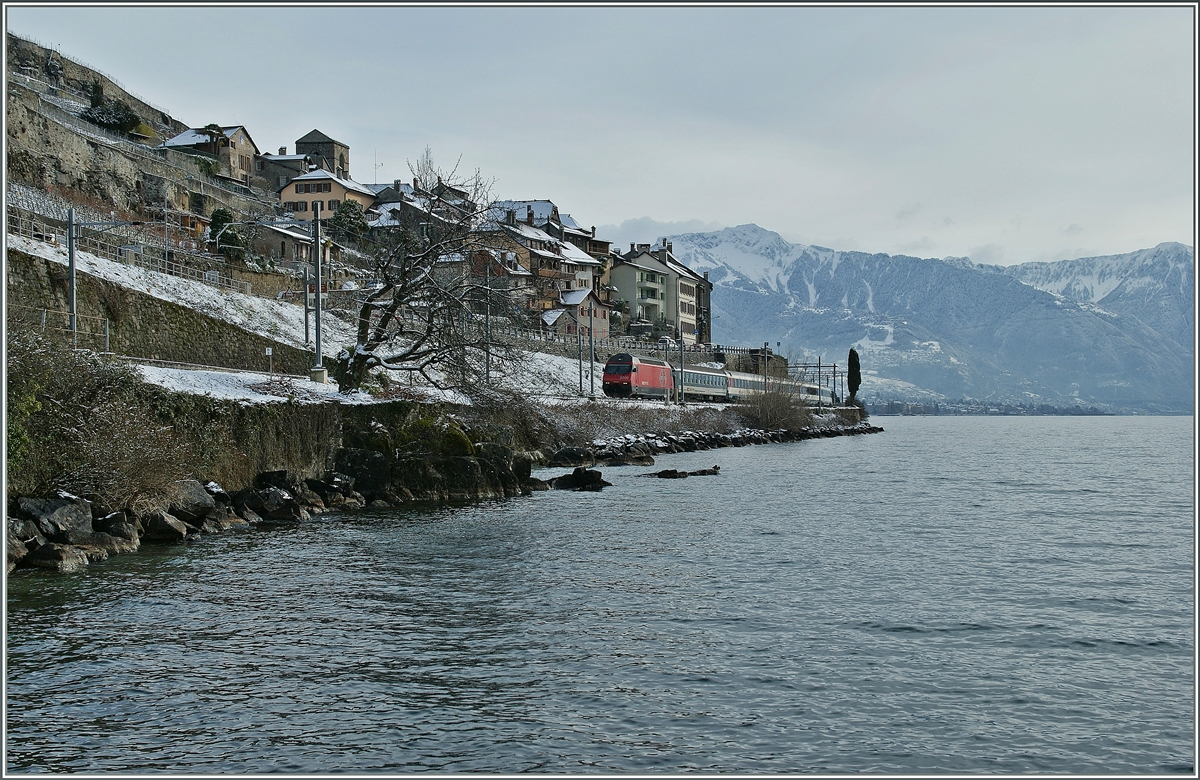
(258, 165)
(301, 188)
(301, 206)
(333, 204)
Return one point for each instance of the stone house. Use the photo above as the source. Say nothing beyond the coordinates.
(331, 155)
(279, 169)
(236, 151)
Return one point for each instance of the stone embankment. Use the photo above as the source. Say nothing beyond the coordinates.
(66, 532)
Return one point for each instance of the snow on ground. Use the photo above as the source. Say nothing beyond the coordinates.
(247, 386)
(277, 320)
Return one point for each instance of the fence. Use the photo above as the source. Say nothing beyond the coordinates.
(107, 245)
(92, 332)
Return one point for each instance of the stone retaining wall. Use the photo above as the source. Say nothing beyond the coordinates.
(146, 327)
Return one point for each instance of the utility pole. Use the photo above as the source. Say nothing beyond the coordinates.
(318, 374)
(307, 308)
(487, 323)
(71, 272)
(819, 383)
(766, 344)
(591, 352)
(682, 392)
(579, 344)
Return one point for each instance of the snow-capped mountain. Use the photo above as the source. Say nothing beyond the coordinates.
(1100, 331)
(1154, 285)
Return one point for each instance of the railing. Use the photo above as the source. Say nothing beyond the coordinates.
(160, 259)
(92, 330)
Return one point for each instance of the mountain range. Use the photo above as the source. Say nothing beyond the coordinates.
(1115, 332)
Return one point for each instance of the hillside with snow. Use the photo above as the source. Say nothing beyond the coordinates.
(1113, 332)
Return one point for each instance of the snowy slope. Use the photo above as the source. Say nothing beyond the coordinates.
(549, 376)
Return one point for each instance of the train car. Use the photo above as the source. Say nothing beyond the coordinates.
(742, 386)
(630, 376)
(703, 384)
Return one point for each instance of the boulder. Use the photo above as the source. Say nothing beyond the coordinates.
(271, 503)
(57, 557)
(284, 479)
(580, 479)
(55, 517)
(535, 484)
(573, 456)
(522, 466)
(499, 454)
(26, 531)
(667, 474)
(15, 548)
(218, 493)
(163, 527)
(370, 470)
(307, 497)
(191, 502)
(706, 472)
(249, 515)
(117, 524)
(99, 540)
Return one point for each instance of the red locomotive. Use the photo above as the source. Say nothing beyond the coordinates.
(628, 376)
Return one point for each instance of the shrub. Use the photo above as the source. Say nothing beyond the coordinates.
(775, 410)
(78, 422)
(113, 115)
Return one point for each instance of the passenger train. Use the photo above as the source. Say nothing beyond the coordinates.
(631, 376)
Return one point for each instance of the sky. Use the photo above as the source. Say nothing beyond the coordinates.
(1002, 134)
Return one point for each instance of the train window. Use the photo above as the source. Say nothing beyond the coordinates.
(618, 368)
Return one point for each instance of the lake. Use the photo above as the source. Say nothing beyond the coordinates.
(956, 594)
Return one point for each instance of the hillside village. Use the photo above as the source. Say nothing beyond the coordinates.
(212, 204)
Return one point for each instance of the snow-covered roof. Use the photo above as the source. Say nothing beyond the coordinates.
(321, 173)
(285, 157)
(547, 255)
(295, 232)
(542, 209)
(528, 232)
(623, 261)
(574, 254)
(196, 136)
(576, 297)
(567, 221)
(550, 317)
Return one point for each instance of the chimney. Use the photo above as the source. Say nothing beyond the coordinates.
(529, 215)
(669, 246)
(283, 150)
(510, 216)
(416, 188)
(593, 231)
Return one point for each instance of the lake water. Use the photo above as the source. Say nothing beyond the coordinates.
(955, 594)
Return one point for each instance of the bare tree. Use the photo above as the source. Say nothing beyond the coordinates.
(429, 314)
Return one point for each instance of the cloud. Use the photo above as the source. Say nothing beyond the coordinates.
(922, 244)
(908, 211)
(988, 254)
(1072, 229)
(647, 230)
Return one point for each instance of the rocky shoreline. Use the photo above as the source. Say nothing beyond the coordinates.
(65, 533)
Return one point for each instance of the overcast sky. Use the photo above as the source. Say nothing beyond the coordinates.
(1002, 134)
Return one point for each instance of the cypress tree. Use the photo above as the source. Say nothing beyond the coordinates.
(853, 375)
